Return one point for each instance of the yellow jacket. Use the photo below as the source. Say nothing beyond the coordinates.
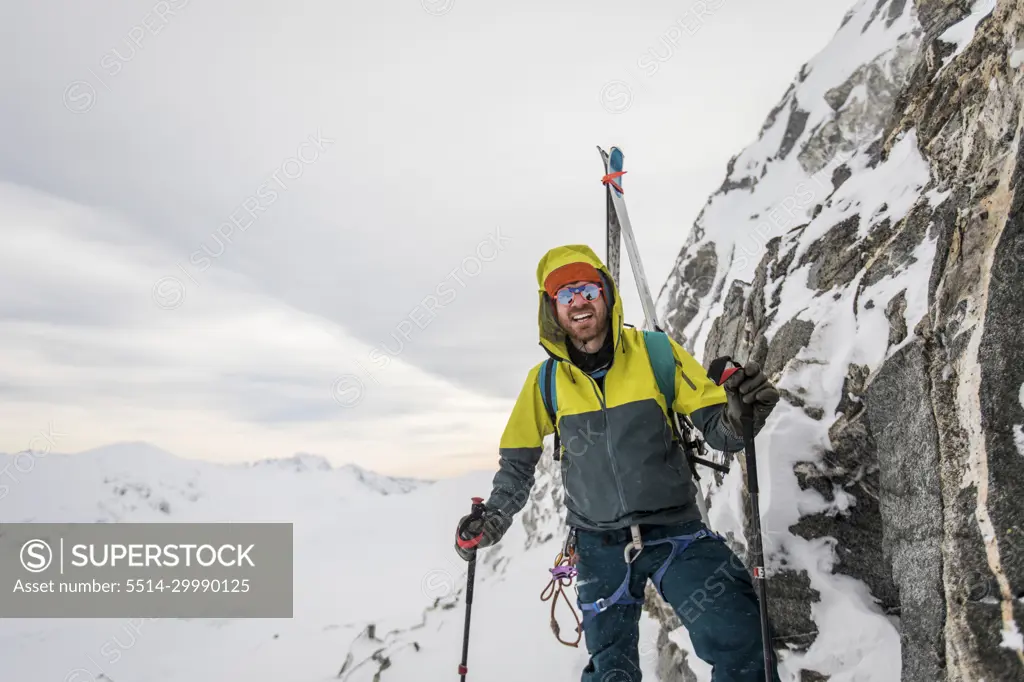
(619, 466)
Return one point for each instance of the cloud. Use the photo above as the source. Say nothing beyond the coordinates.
(232, 374)
(215, 213)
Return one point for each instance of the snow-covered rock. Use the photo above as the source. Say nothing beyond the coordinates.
(867, 249)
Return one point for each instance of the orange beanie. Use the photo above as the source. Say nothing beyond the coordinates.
(570, 272)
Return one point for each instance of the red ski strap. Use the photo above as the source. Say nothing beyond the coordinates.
(609, 179)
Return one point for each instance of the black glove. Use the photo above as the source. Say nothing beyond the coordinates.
(749, 386)
(489, 528)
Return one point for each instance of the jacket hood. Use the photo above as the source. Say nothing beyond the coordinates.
(552, 336)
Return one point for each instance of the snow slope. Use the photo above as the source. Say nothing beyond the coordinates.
(369, 550)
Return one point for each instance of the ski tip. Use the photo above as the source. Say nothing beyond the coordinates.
(613, 164)
(617, 158)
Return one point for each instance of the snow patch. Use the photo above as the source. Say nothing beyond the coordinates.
(936, 198)
(1017, 58)
(1018, 429)
(849, 622)
(962, 33)
(727, 504)
(1012, 638)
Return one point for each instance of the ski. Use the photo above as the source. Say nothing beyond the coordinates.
(613, 164)
(620, 226)
(613, 231)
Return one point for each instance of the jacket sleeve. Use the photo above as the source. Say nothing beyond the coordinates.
(520, 449)
(703, 401)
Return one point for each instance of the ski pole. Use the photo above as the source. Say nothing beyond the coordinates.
(466, 541)
(719, 374)
(760, 579)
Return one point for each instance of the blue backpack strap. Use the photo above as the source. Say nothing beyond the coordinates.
(546, 377)
(663, 362)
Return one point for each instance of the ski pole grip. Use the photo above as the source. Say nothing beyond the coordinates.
(476, 512)
(719, 371)
(478, 508)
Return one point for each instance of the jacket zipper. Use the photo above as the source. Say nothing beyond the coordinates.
(608, 440)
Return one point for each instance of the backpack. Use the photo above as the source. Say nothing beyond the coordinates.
(663, 362)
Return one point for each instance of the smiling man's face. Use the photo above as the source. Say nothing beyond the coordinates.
(584, 321)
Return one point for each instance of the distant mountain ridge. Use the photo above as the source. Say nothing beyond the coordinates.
(137, 481)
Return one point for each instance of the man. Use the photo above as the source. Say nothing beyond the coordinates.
(627, 490)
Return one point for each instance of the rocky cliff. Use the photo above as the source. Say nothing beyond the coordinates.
(868, 250)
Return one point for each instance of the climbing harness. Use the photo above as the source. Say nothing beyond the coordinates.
(565, 571)
(561, 577)
(621, 595)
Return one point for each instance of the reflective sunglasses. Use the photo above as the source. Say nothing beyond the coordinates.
(590, 291)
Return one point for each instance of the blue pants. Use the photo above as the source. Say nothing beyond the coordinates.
(707, 586)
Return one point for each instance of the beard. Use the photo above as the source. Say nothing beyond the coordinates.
(585, 333)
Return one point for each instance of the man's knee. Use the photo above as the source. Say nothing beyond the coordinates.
(721, 597)
(616, 628)
(612, 639)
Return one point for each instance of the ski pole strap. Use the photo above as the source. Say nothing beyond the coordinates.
(469, 544)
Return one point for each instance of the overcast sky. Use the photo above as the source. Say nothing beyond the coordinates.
(239, 230)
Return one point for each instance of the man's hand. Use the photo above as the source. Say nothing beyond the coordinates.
(491, 526)
(749, 386)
